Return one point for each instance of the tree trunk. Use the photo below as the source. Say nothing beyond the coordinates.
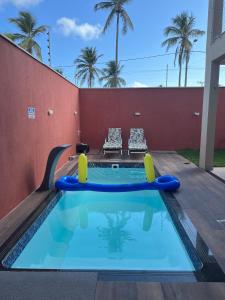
(180, 71)
(89, 81)
(186, 72)
(180, 65)
(117, 37)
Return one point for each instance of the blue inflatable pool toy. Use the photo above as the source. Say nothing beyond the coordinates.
(72, 183)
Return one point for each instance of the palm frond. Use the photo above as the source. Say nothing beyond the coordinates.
(82, 66)
(175, 56)
(172, 30)
(15, 36)
(37, 50)
(25, 22)
(24, 27)
(79, 60)
(180, 20)
(109, 20)
(123, 2)
(80, 73)
(170, 42)
(122, 81)
(83, 78)
(190, 21)
(196, 33)
(38, 30)
(127, 23)
(104, 5)
(27, 44)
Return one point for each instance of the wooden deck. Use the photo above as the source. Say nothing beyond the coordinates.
(203, 199)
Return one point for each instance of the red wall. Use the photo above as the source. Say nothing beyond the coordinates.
(167, 116)
(24, 143)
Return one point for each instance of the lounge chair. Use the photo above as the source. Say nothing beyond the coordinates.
(114, 141)
(137, 142)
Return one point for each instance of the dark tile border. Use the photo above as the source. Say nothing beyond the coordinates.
(17, 249)
(110, 164)
(28, 224)
(207, 268)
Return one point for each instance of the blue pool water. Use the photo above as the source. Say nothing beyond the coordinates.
(107, 231)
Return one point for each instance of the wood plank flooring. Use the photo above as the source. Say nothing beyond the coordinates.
(202, 197)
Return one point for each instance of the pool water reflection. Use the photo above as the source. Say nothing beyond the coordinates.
(107, 231)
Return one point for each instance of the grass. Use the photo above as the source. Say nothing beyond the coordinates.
(193, 156)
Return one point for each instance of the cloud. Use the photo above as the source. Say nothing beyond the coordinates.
(20, 3)
(85, 31)
(138, 84)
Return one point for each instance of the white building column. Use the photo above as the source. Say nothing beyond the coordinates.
(213, 57)
(209, 116)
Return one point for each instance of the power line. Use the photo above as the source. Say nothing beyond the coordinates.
(151, 71)
(155, 56)
(134, 58)
(161, 70)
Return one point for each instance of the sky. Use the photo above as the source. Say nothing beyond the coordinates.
(75, 25)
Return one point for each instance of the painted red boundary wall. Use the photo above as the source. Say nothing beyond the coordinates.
(167, 116)
(26, 143)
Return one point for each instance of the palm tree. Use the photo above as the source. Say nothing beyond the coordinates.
(111, 74)
(86, 69)
(181, 34)
(117, 10)
(26, 23)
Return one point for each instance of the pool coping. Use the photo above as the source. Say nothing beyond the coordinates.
(210, 272)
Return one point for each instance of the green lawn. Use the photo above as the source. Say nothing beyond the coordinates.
(193, 155)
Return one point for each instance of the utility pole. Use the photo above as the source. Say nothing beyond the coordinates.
(167, 71)
(49, 48)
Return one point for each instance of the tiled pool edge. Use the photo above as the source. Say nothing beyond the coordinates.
(16, 250)
(93, 164)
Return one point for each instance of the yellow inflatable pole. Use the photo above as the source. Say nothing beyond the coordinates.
(82, 168)
(149, 168)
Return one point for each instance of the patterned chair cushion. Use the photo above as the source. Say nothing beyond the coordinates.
(114, 140)
(137, 135)
(137, 140)
(114, 135)
(141, 146)
(109, 145)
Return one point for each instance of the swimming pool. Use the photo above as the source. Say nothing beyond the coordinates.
(104, 231)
